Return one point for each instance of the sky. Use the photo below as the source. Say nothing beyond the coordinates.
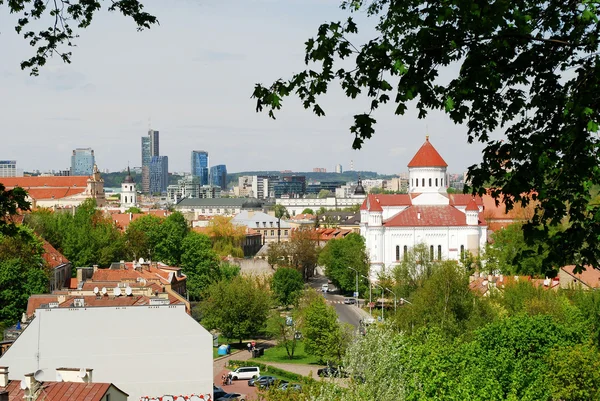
(191, 78)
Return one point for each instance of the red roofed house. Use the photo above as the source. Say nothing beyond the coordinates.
(448, 224)
(71, 388)
(59, 265)
(59, 191)
(589, 279)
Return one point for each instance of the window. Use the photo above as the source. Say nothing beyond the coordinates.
(422, 182)
(285, 232)
(405, 252)
(462, 252)
(439, 252)
(436, 182)
(271, 223)
(272, 233)
(397, 252)
(430, 182)
(417, 182)
(431, 252)
(264, 223)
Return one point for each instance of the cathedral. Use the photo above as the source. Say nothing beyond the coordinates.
(449, 225)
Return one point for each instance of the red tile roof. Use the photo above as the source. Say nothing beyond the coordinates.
(389, 200)
(427, 156)
(464, 199)
(41, 182)
(428, 216)
(61, 391)
(589, 277)
(373, 204)
(472, 206)
(52, 256)
(53, 193)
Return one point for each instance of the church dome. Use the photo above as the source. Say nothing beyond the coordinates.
(359, 190)
(128, 179)
(427, 156)
(252, 203)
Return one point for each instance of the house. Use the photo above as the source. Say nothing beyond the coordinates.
(485, 285)
(448, 224)
(55, 192)
(268, 226)
(71, 387)
(194, 207)
(145, 351)
(60, 267)
(589, 279)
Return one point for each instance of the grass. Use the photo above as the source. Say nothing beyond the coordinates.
(234, 342)
(279, 354)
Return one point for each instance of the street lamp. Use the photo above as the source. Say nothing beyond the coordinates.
(356, 293)
(382, 296)
(405, 300)
(370, 296)
(395, 299)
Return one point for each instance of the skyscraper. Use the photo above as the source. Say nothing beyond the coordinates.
(150, 148)
(199, 165)
(8, 168)
(159, 174)
(218, 176)
(82, 161)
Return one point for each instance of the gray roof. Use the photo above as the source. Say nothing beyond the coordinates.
(208, 202)
(250, 219)
(143, 350)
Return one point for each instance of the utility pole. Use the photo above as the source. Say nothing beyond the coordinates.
(382, 296)
(356, 292)
(370, 296)
(395, 299)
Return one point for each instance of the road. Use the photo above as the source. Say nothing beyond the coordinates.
(346, 313)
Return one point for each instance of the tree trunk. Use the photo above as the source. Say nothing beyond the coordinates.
(278, 230)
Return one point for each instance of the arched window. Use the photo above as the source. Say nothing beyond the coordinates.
(417, 182)
(397, 252)
(405, 252)
(430, 182)
(422, 182)
(462, 252)
(436, 182)
(431, 252)
(439, 252)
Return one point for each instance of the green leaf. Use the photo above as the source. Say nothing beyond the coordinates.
(399, 67)
(449, 104)
(592, 126)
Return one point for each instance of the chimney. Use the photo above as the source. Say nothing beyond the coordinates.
(418, 215)
(122, 264)
(130, 216)
(3, 376)
(31, 383)
(95, 268)
(74, 375)
(490, 278)
(79, 274)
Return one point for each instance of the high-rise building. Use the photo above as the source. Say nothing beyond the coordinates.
(319, 170)
(199, 166)
(82, 161)
(159, 174)
(218, 176)
(154, 142)
(150, 148)
(8, 168)
(338, 169)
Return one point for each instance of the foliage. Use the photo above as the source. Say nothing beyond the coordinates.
(523, 67)
(323, 336)
(414, 269)
(142, 236)
(227, 237)
(228, 270)
(199, 263)
(308, 211)
(339, 255)
(23, 273)
(270, 370)
(277, 254)
(58, 16)
(287, 285)
(280, 213)
(238, 308)
(133, 209)
(11, 201)
(173, 230)
(285, 334)
(574, 373)
(325, 193)
(280, 354)
(302, 252)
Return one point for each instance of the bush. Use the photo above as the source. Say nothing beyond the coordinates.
(271, 370)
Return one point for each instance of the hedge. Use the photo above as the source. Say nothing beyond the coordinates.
(264, 369)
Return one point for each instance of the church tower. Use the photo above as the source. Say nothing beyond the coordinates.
(427, 176)
(128, 193)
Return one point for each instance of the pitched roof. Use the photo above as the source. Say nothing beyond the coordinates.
(428, 216)
(389, 200)
(373, 204)
(40, 182)
(53, 193)
(61, 391)
(589, 277)
(427, 156)
(472, 206)
(52, 256)
(464, 199)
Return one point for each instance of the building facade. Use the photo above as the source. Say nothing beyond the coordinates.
(128, 192)
(218, 176)
(82, 161)
(448, 225)
(199, 166)
(159, 174)
(338, 169)
(8, 168)
(150, 148)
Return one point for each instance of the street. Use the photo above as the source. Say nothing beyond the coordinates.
(346, 313)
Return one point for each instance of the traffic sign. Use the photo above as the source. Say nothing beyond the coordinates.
(355, 294)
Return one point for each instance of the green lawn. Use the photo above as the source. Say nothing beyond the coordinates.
(279, 354)
(235, 345)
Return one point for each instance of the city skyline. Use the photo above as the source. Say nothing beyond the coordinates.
(199, 97)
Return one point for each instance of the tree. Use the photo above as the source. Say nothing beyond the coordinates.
(142, 236)
(278, 327)
(173, 230)
(287, 284)
(302, 252)
(227, 237)
(308, 211)
(238, 308)
(340, 254)
(133, 209)
(324, 193)
(575, 373)
(280, 212)
(11, 201)
(199, 263)
(277, 254)
(50, 41)
(414, 269)
(525, 68)
(323, 336)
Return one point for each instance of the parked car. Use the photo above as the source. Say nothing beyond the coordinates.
(325, 287)
(261, 379)
(218, 392)
(232, 397)
(244, 373)
(349, 301)
(290, 386)
(331, 371)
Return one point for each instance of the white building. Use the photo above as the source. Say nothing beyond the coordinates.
(146, 351)
(8, 168)
(128, 193)
(449, 225)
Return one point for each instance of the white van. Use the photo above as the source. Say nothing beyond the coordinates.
(245, 373)
(325, 287)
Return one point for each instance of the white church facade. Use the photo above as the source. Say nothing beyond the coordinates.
(449, 225)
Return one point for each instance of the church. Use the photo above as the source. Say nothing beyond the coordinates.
(449, 225)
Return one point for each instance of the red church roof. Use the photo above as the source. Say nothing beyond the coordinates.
(472, 206)
(428, 216)
(427, 156)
